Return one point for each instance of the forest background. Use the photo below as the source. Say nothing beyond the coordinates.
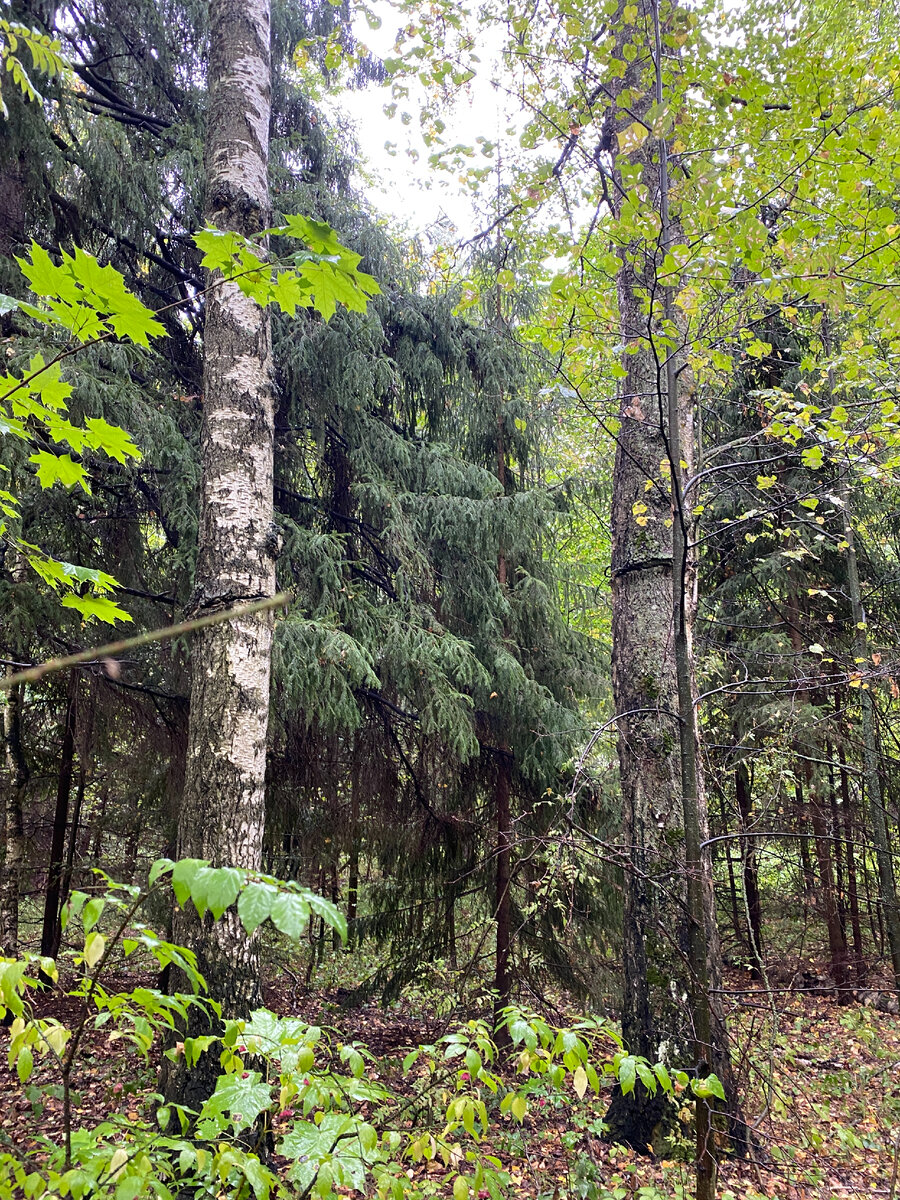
(529, 662)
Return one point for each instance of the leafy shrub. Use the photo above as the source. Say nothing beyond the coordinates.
(286, 1088)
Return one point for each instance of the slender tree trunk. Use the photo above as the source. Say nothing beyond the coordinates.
(503, 897)
(355, 845)
(222, 812)
(737, 922)
(72, 843)
(744, 798)
(837, 844)
(335, 893)
(859, 967)
(654, 603)
(837, 946)
(887, 893)
(450, 926)
(99, 827)
(50, 928)
(14, 839)
(503, 978)
(809, 875)
(84, 755)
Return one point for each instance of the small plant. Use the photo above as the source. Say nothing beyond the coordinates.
(283, 1083)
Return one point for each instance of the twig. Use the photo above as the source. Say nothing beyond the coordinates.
(142, 639)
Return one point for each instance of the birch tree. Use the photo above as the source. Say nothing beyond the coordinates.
(222, 812)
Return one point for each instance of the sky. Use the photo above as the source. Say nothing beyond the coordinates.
(405, 189)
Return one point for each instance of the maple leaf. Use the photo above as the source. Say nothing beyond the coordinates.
(59, 468)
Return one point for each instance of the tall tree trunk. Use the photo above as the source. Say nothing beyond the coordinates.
(837, 843)
(96, 850)
(335, 891)
(738, 923)
(859, 964)
(50, 931)
(503, 978)
(837, 945)
(14, 833)
(887, 893)
(355, 846)
(222, 812)
(503, 897)
(84, 756)
(654, 603)
(744, 796)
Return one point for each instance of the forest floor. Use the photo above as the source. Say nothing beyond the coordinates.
(823, 1088)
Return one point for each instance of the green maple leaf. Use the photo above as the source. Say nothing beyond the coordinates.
(59, 468)
(318, 235)
(90, 300)
(219, 249)
(99, 607)
(53, 391)
(64, 431)
(113, 441)
(289, 291)
(45, 278)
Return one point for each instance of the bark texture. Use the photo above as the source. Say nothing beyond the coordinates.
(222, 812)
(670, 947)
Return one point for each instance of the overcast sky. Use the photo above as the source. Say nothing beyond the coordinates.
(410, 190)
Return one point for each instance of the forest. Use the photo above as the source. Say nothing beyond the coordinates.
(450, 675)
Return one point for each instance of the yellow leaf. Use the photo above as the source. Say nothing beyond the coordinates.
(580, 1082)
(94, 946)
(118, 1161)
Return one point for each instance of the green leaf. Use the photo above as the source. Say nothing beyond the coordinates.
(221, 887)
(627, 1074)
(94, 945)
(160, 867)
(255, 904)
(184, 874)
(242, 1096)
(219, 248)
(330, 913)
(99, 607)
(113, 441)
(710, 1085)
(410, 1060)
(92, 912)
(24, 1064)
(59, 468)
(290, 914)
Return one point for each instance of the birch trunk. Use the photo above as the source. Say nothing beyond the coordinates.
(222, 812)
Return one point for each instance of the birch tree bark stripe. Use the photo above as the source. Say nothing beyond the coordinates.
(222, 813)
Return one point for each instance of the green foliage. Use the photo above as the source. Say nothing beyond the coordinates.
(321, 277)
(90, 304)
(87, 303)
(340, 1125)
(45, 57)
